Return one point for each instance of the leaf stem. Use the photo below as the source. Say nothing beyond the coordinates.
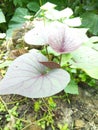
(40, 2)
(60, 59)
(47, 51)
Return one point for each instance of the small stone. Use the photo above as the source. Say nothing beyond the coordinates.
(79, 123)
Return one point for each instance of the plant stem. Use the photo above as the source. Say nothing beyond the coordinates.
(47, 52)
(40, 2)
(11, 114)
(60, 59)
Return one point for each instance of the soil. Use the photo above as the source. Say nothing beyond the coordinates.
(80, 112)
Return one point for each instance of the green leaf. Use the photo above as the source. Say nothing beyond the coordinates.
(93, 39)
(90, 20)
(17, 2)
(37, 106)
(2, 17)
(86, 59)
(63, 127)
(33, 6)
(65, 59)
(17, 20)
(72, 87)
(90, 42)
(5, 64)
(95, 46)
(51, 103)
(51, 51)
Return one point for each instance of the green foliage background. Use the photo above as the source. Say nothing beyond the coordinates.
(86, 9)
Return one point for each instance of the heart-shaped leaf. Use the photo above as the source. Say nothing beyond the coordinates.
(64, 39)
(17, 21)
(33, 6)
(28, 77)
(36, 36)
(54, 14)
(86, 59)
(72, 88)
(90, 20)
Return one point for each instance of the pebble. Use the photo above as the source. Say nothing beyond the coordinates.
(79, 123)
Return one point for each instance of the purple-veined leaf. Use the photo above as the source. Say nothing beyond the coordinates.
(59, 36)
(50, 64)
(63, 39)
(37, 35)
(28, 77)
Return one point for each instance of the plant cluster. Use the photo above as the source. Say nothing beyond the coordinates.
(46, 107)
(42, 73)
